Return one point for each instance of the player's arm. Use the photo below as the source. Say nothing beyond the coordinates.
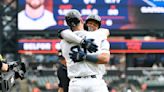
(69, 36)
(104, 31)
(107, 32)
(102, 57)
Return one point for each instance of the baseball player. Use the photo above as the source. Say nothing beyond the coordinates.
(93, 22)
(85, 68)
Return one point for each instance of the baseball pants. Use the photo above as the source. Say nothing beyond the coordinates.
(87, 85)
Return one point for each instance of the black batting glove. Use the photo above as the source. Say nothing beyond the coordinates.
(77, 56)
(89, 45)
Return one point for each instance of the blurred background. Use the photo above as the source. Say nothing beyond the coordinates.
(136, 41)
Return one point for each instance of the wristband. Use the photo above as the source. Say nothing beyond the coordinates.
(92, 58)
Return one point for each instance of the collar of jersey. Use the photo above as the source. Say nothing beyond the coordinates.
(34, 19)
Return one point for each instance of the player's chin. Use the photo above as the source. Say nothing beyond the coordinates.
(35, 6)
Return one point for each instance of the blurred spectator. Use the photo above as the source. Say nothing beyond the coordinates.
(48, 85)
(160, 59)
(35, 16)
(36, 89)
(117, 61)
(143, 87)
(150, 60)
(51, 86)
(51, 58)
(139, 60)
(114, 60)
(39, 58)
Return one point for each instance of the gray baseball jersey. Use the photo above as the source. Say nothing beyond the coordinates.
(85, 68)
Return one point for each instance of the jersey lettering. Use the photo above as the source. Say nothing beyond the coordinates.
(77, 48)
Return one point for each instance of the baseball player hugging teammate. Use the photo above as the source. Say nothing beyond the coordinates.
(85, 55)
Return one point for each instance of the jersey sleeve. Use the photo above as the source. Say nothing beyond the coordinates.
(69, 36)
(102, 32)
(105, 32)
(105, 46)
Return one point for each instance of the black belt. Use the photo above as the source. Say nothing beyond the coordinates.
(89, 76)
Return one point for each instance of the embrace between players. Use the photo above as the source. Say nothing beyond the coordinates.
(85, 53)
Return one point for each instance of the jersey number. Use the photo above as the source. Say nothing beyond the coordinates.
(77, 48)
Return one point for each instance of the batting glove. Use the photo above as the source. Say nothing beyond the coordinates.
(89, 45)
(77, 56)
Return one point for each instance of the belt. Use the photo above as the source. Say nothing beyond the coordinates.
(89, 76)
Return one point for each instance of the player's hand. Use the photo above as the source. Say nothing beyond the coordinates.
(89, 45)
(77, 56)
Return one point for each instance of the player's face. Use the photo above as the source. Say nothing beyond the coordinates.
(92, 25)
(35, 3)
